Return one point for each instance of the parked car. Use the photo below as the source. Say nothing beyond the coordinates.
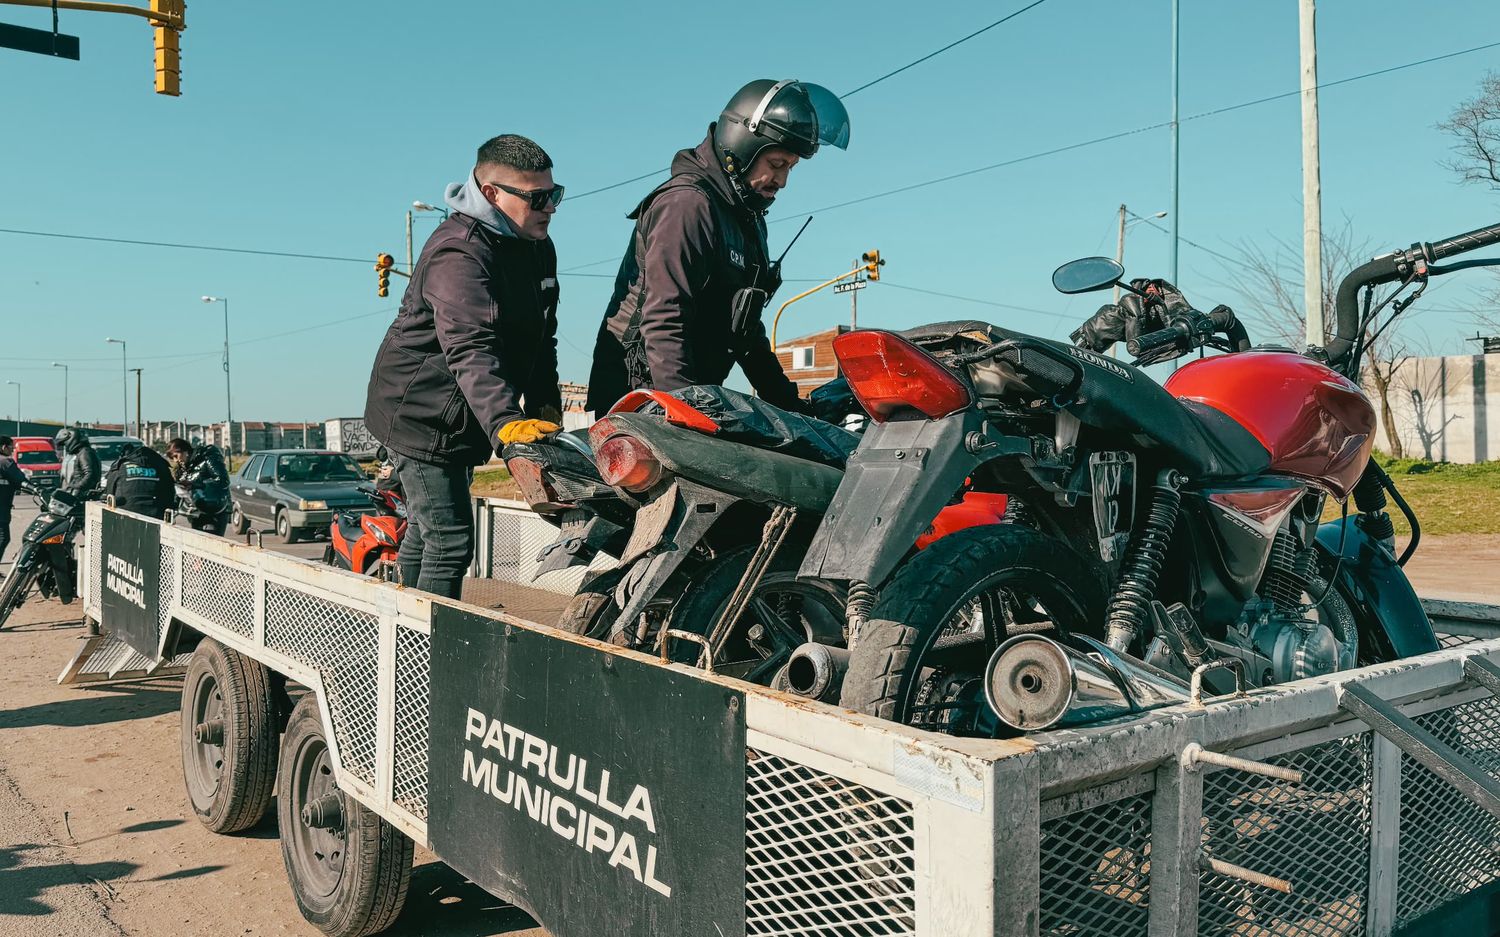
(38, 459)
(108, 449)
(296, 491)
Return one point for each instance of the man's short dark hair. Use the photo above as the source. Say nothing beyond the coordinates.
(180, 445)
(515, 151)
(6, 441)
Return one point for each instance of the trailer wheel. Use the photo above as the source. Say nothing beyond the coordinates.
(229, 735)
(348, 868)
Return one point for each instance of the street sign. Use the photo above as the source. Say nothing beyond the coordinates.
(40, 41)
(850, 286)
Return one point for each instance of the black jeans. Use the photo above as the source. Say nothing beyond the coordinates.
(439, 541)
(4, 531)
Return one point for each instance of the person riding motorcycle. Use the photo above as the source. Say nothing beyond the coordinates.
(697, 273)
(80, 480)
(204, 482)
(140, 481)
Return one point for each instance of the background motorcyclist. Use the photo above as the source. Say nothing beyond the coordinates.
(697, 274)
(1133, 316)
(81, 470)
(12, 479)
(140, 481)
(204, 480)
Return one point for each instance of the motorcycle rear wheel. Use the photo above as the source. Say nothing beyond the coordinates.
(920, 658)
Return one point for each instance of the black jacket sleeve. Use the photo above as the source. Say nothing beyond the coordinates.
(86, 478)
(166, 490)
(677, 264)
(13, 474)
(763, 368)
(464, 315)
(113, 476)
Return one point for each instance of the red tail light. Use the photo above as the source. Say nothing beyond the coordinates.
(887, 373)
(626, 462)
(678, 412)
(528, 476)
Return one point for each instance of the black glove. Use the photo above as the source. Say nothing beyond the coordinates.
(833, 401)
(1132, 317)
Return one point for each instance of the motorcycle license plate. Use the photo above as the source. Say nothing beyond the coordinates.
(650, 524)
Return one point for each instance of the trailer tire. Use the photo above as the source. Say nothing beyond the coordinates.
(347, 882)
(229, 785)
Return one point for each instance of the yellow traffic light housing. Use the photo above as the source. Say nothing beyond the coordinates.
(383, 265)
(168, 58)
(872, 263)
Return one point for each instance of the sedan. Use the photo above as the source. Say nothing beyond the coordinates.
(296, 492)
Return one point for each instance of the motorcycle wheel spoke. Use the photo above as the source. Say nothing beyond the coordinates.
(783, 634)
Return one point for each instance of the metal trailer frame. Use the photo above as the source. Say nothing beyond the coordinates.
(857, 826)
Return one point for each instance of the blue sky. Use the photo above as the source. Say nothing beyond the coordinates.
(311, 127)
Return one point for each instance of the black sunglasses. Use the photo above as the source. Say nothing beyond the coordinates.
(536, 198)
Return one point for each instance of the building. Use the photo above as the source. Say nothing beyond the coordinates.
(809, 360)
(299, 435)
(1445, 409)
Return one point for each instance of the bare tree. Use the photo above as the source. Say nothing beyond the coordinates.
(1474, 126)
(1269, 282)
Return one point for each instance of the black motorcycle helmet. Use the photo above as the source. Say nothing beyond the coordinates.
(787, 113)
(69, 439)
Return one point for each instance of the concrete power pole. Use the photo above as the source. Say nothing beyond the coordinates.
(1312, 186)
(139, 426)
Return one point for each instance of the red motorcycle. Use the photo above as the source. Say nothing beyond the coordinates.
(1158, 534)
(368, 543)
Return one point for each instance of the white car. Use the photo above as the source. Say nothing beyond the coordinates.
(108, 449)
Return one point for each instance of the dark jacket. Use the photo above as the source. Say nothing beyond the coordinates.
(668, 324)
(140, 480)
(81, 472)
(12, 480)
(473, 348)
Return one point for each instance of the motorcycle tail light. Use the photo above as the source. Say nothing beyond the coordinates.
(626, 462)
(599, 432)
(528, 476)
(888, 374)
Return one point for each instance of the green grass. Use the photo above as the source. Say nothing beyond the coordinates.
(1447, 498)
(494, 483)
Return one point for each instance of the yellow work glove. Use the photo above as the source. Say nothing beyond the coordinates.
(525, 431)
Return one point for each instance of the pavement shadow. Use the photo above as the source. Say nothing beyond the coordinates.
(188, 873)
(119, 704)
(25, 884)
(442, 901)
(151, 826)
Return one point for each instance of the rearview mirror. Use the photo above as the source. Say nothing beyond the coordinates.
(1086, 275)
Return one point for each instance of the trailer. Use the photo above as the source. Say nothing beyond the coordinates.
(608, 792)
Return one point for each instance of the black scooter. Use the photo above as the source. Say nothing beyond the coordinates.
(56, 526)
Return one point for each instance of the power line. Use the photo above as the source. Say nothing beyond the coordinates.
(1206, 250)
(1127, 133)
(971, 299)
(956, 42)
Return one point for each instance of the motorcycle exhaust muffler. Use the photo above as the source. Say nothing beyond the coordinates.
(1034, 682)
(816, 671)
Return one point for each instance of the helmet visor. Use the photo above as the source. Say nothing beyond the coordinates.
(833, 119)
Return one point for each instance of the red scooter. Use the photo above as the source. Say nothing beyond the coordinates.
(367, 543)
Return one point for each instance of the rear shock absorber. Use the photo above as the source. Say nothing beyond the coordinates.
(1130, 606)
(857, 609)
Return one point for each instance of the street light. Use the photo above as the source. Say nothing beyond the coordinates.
(423, 206)
(228, 398)
(59, 364)
(124, 386)
(18, 405)
(418, 206)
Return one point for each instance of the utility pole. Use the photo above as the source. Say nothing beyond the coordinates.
(854, 303)
(1176, 130)
(1120, 251)
(59, 364)
(408, 242)
(138, 424)
(1312, 185)
(124, 385)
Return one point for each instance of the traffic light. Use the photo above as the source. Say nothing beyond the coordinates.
(168, 61)
(383, 265)
(873, 263)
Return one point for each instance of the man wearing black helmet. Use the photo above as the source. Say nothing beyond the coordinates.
(697, 273)
(80, 477)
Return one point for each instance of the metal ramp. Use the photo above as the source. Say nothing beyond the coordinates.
(102, 658)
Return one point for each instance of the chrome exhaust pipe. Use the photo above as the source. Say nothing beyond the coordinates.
(1034, 682)
(816, 671)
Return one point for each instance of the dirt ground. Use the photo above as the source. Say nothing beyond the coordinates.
(96, 837)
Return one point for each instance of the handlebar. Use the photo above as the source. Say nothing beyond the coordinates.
(1189, 328)
(1388, 269)
(1145, 344)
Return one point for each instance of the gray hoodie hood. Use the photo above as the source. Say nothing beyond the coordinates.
(467, 198)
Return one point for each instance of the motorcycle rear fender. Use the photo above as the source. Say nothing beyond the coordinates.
(697, 510)
(582, 537)
(1382, 596)
(746, 472)
(896, 482)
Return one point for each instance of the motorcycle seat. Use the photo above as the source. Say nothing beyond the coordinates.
(349, 526)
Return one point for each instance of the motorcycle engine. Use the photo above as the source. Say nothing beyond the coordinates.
(1289, 645)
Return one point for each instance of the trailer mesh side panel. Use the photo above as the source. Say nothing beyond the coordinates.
(409, 775)
(1449, 845)
(93, 529)
(342, 644)
(825, 856)
(168, 592)
(515, 540)
(222, 594)
(1096, 870)
(1315, 834)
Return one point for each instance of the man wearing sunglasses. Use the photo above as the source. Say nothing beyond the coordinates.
(697, 273)
(470, 364)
